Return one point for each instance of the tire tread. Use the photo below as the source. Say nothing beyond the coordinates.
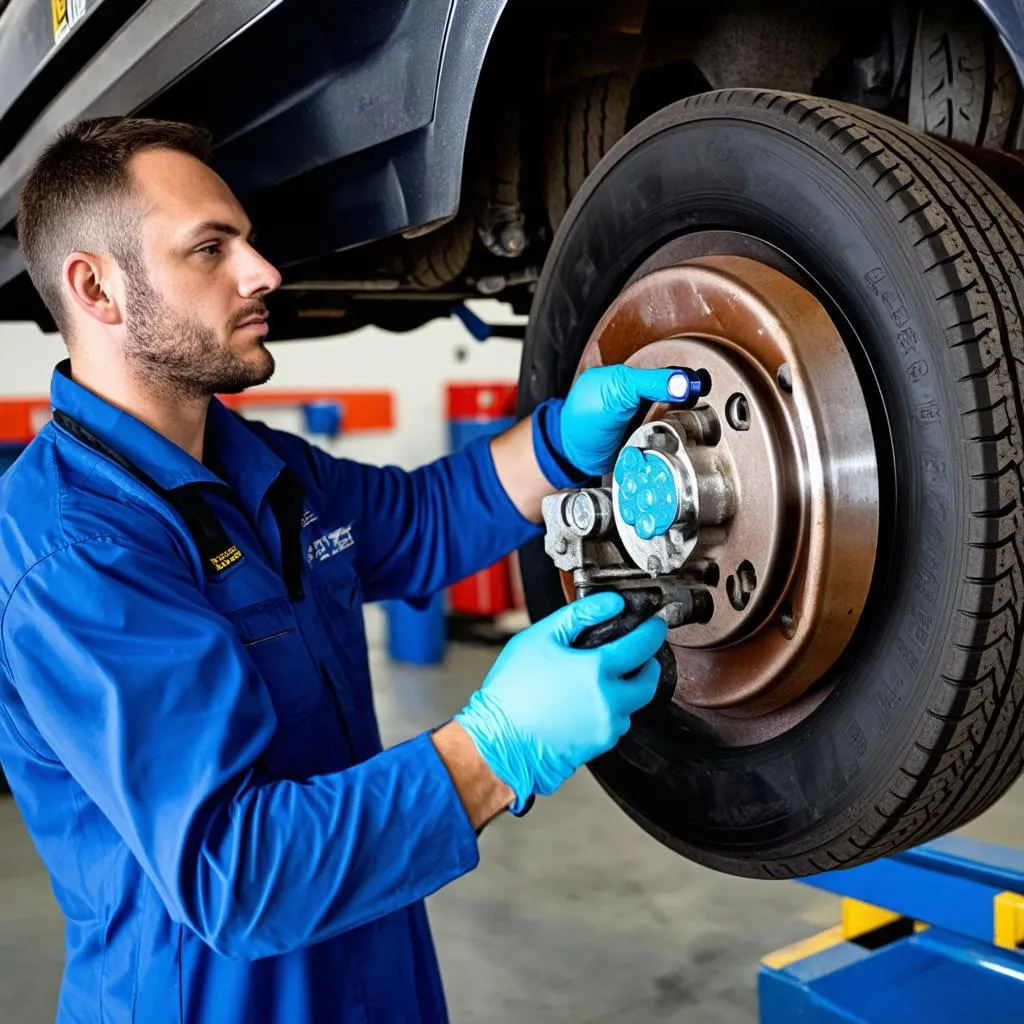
(586, 120)
(963, 85)
(967, 236)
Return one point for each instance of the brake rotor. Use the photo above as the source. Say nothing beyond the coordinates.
(791, 569)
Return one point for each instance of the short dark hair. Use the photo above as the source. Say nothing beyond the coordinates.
(78, 195)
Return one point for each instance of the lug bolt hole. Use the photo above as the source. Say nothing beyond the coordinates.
(786, 620)
(784, 378)
(740, 585)
(737, 412)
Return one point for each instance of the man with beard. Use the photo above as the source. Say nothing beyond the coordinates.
(187, 719)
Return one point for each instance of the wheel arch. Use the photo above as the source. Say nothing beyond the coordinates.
(1007, 19)
(468, 35)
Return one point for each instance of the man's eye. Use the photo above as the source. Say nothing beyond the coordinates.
(210, 250)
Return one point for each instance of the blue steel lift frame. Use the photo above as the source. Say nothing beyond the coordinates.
(934, 935)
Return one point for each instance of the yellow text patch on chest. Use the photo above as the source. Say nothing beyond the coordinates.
(226, 559)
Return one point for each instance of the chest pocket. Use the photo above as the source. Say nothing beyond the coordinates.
(272, 640)
(339, 599)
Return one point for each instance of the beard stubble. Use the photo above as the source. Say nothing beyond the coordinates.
(178, 354)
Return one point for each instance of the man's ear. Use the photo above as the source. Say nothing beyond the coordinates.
(93, 285)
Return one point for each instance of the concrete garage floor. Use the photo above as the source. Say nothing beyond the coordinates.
(573, 917)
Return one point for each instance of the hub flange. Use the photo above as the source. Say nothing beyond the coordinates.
(793, 458)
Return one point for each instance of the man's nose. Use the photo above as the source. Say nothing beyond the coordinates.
(259, 275)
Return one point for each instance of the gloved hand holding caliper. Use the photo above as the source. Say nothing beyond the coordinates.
(563, 691)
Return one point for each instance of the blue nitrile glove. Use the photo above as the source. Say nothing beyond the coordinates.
(599, 407)
(546, 708)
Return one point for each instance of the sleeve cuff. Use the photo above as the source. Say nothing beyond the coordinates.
(547, 446)
(483, 456)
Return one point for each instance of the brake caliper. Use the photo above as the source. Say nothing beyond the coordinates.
(647, 536)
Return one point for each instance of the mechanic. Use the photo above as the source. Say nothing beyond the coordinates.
(187, 718)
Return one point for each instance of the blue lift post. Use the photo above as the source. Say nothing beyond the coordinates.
(933, 935)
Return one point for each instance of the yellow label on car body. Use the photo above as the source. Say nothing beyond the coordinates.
(65, 14)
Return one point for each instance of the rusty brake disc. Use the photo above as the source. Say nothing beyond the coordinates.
(791, 567)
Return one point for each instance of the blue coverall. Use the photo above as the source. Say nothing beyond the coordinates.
(190, 734)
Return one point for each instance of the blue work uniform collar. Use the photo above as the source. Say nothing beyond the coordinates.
(249, 466)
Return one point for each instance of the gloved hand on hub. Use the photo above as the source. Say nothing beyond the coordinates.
(585, 432)
(546, 708)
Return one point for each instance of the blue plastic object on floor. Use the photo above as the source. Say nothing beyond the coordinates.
(417, 636)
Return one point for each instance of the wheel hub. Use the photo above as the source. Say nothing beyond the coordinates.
(766, 492)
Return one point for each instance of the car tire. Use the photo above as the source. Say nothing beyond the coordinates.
(920, 257)
(586, 120)
(437, 259)
(962, 83)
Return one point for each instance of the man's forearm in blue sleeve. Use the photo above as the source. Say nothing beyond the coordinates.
(165, 747)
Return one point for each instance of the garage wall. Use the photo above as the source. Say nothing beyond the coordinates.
(26, 358)
(414, 366)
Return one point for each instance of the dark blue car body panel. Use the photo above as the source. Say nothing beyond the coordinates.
(352, 117)
(337, 123)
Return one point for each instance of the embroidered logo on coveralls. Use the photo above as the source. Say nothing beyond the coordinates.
(330, 544)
